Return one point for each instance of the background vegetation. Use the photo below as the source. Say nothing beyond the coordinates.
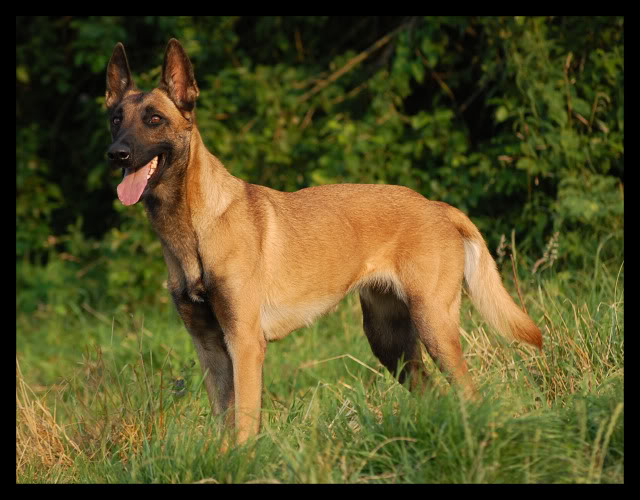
(518, 121)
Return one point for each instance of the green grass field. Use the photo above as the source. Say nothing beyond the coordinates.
(108, 399)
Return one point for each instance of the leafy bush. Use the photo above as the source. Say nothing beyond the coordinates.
(518, 121)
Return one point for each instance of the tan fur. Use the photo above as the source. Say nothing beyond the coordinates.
(248, 264)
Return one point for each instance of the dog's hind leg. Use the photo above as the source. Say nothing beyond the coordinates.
(392, 336)
(437, 323)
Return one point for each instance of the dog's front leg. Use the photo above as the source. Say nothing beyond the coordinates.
(247, 348)
(215, 360)
(207, 336)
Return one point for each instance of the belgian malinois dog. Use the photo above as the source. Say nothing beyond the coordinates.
(249, 264)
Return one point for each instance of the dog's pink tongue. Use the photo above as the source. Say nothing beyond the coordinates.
(131, 187)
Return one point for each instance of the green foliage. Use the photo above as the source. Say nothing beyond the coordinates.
(36, 199)
(519, 121)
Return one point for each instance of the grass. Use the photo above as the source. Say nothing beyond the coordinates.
(103, 399)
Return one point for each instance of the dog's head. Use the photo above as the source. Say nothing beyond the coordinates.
(151, 131)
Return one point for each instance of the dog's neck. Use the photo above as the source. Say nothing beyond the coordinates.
(202, 182)
(209, 184)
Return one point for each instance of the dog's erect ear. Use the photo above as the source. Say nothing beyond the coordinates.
(178, 79)
(119, 79)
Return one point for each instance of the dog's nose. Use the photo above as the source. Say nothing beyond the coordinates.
(119, 153)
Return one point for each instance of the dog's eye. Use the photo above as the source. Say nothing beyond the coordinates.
(155, 119)
(115, 121)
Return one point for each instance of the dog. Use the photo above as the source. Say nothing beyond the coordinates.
(248, 264)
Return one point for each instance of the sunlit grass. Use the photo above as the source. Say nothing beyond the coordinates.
(124, 402)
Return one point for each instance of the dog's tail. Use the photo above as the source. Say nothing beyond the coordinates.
(485, 286)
